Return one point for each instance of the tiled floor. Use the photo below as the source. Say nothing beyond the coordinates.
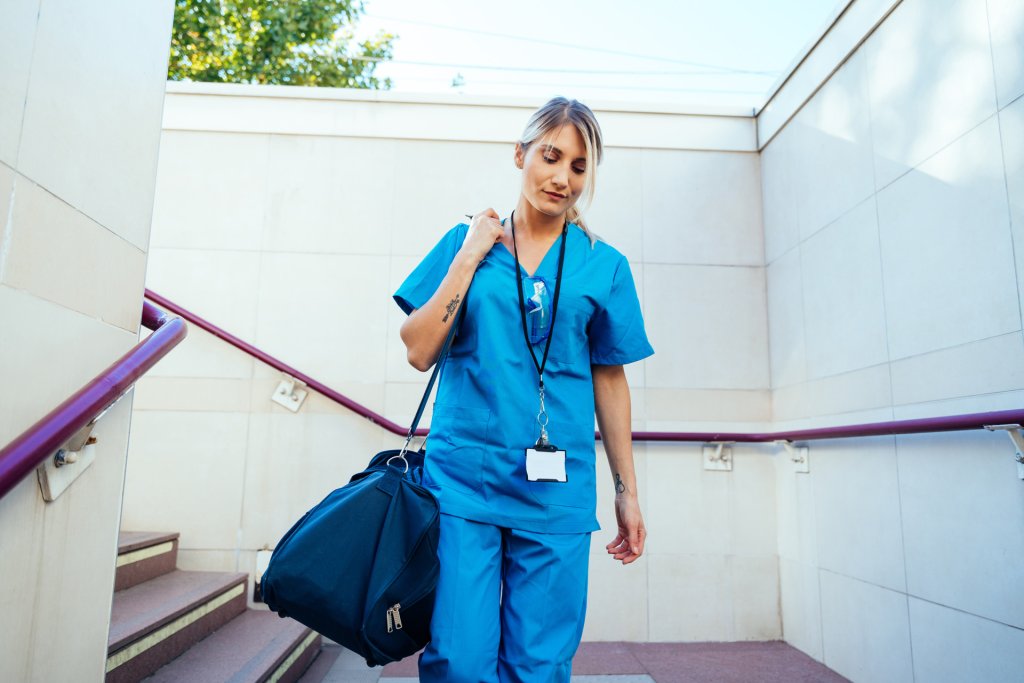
(761, 662)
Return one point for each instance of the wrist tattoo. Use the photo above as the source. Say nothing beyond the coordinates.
(619, 486)
(452, 305)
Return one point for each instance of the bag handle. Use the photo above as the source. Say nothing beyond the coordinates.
(441, 358)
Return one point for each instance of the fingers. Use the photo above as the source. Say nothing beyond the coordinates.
(495, 226)
(489, 212)
(634, 540)
(624, 549)
(620, 549)
(637, 546)
(623, 554)
(483, 226)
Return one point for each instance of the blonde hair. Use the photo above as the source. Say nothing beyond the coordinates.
(547, 120)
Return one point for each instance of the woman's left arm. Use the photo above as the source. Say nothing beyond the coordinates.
(611, 403)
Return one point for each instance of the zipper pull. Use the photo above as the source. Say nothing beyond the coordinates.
(390, 627)
(398, 617)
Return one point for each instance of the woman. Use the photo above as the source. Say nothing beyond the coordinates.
(511, 446)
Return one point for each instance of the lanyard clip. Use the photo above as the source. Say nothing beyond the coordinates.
(542, 418)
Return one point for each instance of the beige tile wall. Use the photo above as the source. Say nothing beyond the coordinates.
(893, 247)
(80, 105)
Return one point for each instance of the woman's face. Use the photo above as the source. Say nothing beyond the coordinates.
(554, 168)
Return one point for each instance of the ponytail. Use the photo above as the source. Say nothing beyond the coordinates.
(573, 215)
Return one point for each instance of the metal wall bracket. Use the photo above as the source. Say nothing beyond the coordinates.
(718, 456)
(56, 474)
(82, 436)
(290, 394)
(800, 456)
(1014, 432)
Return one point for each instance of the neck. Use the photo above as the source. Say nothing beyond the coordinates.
(535, 225)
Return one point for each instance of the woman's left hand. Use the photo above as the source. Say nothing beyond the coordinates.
(629, 543)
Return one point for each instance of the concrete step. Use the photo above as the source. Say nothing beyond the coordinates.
(254, 647)
(154, 622)
(323, 665)
(143, 555)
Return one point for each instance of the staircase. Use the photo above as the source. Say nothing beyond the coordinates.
(172, 625)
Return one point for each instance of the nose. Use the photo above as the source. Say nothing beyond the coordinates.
(560, 177)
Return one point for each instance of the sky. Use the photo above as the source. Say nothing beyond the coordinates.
(707, 52)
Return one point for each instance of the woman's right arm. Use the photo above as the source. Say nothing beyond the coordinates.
(426, 328)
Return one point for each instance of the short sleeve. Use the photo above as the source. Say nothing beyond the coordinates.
(617, 334)
(424, 280)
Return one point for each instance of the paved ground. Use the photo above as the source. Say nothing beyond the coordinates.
(760, 662)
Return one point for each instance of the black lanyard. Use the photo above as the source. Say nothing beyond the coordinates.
(522, 301)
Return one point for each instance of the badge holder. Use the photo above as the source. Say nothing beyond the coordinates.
(545, 461)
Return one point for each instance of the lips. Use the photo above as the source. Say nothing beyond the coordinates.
(554, 195)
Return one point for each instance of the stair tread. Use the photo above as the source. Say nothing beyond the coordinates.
(141, 609)
(127, 541)
(244, 650)
(323, 664)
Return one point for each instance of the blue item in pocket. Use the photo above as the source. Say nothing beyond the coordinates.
(537, 299)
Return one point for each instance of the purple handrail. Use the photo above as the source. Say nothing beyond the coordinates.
(949, 423)
(320, 387)
(41, 440)
(929, 424)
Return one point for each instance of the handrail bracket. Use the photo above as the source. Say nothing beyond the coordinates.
(55, 474)
(289, 393)
(1014, 432)
(77, 442)
(718, 456)
(73, 458)
(800, 456)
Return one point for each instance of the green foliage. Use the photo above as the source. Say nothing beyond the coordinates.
(287, 42)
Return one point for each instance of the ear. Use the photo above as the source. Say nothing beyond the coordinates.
(517, 157)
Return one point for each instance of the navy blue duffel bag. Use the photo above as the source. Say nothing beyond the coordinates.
(361, 567)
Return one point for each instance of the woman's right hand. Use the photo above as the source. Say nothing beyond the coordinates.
(485, 231)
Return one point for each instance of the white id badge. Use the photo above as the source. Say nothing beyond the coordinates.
(544, 465)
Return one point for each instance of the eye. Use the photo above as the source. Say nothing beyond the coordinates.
(580, 171)
(550, 160)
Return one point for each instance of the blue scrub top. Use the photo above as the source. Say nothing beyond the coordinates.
(486, 405)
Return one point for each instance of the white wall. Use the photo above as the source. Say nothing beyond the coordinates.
(80, 104)
(288, 216)
(893, 215)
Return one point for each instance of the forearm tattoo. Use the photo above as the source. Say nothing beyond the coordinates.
(619, 486)
(452, 305)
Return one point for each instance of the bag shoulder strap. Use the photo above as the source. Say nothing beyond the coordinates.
(441, 358)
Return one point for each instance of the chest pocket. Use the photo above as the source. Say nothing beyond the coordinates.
(569, 334)
(492, 306)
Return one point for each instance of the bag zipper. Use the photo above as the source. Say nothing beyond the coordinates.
(394, 617)
(380, 656)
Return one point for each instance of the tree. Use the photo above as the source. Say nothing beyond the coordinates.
(287, 42)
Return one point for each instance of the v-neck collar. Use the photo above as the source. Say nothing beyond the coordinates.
(553, 249)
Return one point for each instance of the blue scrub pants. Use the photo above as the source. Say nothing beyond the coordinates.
(531, 635)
